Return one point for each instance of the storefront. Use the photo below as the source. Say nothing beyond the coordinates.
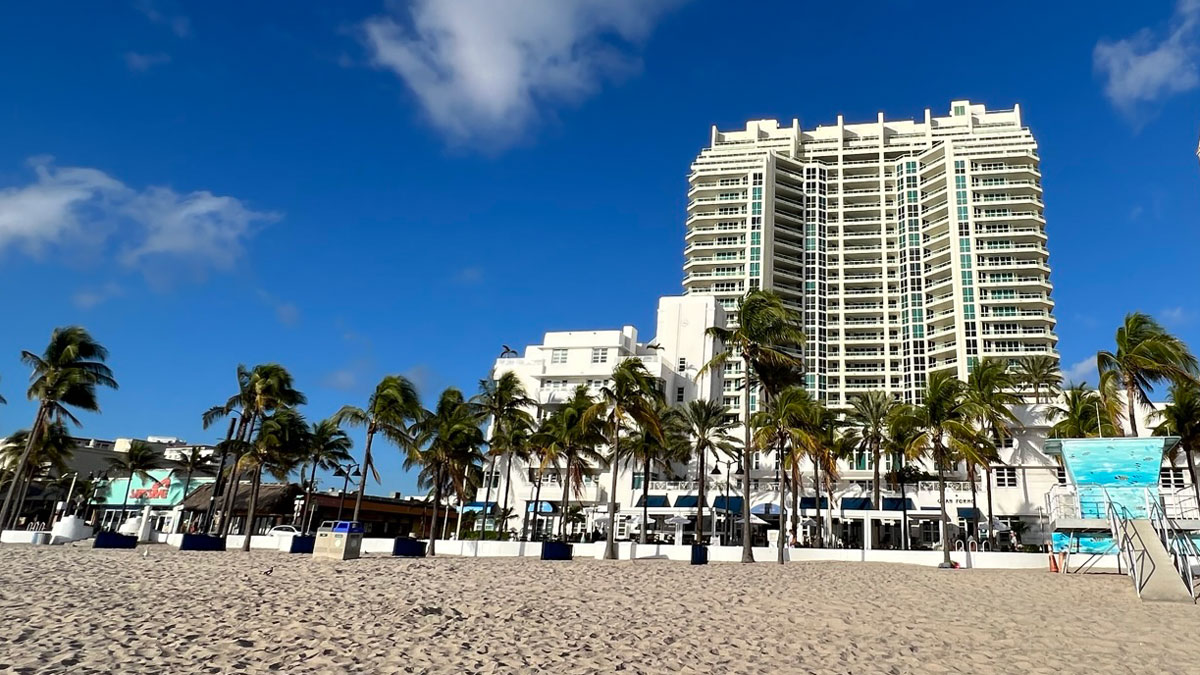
(162, 490)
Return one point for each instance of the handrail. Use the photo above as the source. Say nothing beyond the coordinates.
(1116, 520)
(1178, 544)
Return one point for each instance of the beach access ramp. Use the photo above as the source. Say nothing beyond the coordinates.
(1152, 567)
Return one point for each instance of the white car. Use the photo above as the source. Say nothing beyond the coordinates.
(283, 531)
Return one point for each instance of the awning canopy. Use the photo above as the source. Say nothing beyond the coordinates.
(968, 513)
(856, 504)
(811, 502)
(490, 507)
(897, 504)
(653, 501)
(765, 509)
(544, 507)
(728, 504)
(687, 501)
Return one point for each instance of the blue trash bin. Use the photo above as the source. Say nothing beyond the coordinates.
(407, 547)
(114, 540)
(302, 544)
(556, 550)
(202, 542)
(699, 554)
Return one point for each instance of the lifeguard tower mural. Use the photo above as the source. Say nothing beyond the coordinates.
(1112, 505)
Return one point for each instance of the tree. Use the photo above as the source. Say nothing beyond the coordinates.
(990, 395)
(1082, 414)
(707, 426)
(64, 376)
(1146, 354)
(328, 447)
(446, 444)
(281, 445)
(766, 334)
(51, 454)
(664, 449)
(944, 434)
(1181, 417)
(630, 398)
(138, 461)
(514, 439)
(869, 414)
(192, 463)
(261, 391)
(781, 426)
(391, 410)
(570, 439)
(825, 446)
(503, 400)
(899, 439)
(1039, 372)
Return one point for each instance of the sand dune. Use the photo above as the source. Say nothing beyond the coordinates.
(77, 610)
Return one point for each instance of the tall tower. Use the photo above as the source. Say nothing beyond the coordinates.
(908, 246)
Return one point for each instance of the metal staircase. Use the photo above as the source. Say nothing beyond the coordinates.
(1178, 543)
(1156, 555)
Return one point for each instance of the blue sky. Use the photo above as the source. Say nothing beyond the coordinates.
(354, 189)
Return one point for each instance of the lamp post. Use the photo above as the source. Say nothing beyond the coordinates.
(716, 471)
(345, 471)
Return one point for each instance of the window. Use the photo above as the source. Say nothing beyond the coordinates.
(682, 364)
(960, 110)
(1172, 478)
(679, 394)
(599, 355)
(1060, 473)
(1005, 476)
(558, 356)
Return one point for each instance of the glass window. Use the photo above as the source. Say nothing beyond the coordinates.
(558, 356)
(599, 355)
(1005, 476)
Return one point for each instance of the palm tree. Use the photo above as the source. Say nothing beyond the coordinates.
(261, 391)
(664, 449)
(1181, 417)
(899, 438)
(514, 441)
(51, 454)
(568, 438)
(1082, 414)
(504, 401)
(825, 447)
(990, 394)
(446, 444)
(767, 333)
(709, 431)
(281, 445)
(138, 461)
(869, 414)
(781, 426)
(328, 447)
(630, 398)
(1039, 372)
(944, 434)
(64, 376)
(391, 410)
(192, 463)
(1146, 354)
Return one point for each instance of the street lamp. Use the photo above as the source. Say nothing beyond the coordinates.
(345, 471)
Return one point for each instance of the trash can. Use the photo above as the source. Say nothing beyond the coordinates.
(556, 550)
(41, 538)
(338, 540)
(699, 554)
(407, 547)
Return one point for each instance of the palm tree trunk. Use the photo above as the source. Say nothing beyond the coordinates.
(307, 513)
(974, 502)
(566, 495)
(747, 543)
(26, 481)
(18, 470)
(610, 546)
(1191, 461)
(796, 487)
(782, 502)
(251, 507)
(366, 471)
(1131, 406)
(817, 502)
(702, 481)
(875, 483)
(537, 505)
(487, 497)
(903, 505)
(235, 479)
(991, 517)
(507, 488)
(645, 499)
(125, 503)
(945, 515)
(437, 499)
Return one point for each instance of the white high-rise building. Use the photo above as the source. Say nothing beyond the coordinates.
(909, 246)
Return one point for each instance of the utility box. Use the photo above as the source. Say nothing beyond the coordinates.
(338, 540)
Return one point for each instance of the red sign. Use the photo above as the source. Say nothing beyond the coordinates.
(155, 491)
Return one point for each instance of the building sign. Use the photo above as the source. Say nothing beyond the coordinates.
(164, 487)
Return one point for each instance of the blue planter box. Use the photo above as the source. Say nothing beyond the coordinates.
(406, 547)
(699, 554)
(202, 542)
(556, 550)
(302, 544)
(114, 540)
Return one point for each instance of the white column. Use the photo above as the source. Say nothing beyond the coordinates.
(867, 533)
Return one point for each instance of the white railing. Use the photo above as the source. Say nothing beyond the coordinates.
(1178, 544)
(1180, 504)
(1118, 526)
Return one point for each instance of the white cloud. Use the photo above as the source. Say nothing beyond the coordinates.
(343, 379)
(140, 63)
(1081, 371)
(1175, 315)
(481, 69)
(1149, 66)
(287, 313)
(88, 298)
(179, 24)
(153, 230)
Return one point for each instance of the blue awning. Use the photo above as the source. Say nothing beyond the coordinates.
(857, 504)
(765, 509)
(490, 507)
(687, 501)
(544, 507)
(811, 502)
(652, 501)
(728, 504)
(896, 504)
(968, 513)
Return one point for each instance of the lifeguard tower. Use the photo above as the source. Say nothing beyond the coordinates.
(1112, 504)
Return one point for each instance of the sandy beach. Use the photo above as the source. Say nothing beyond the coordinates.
(77, 610)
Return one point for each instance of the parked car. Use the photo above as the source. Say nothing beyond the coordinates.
(283, 531)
